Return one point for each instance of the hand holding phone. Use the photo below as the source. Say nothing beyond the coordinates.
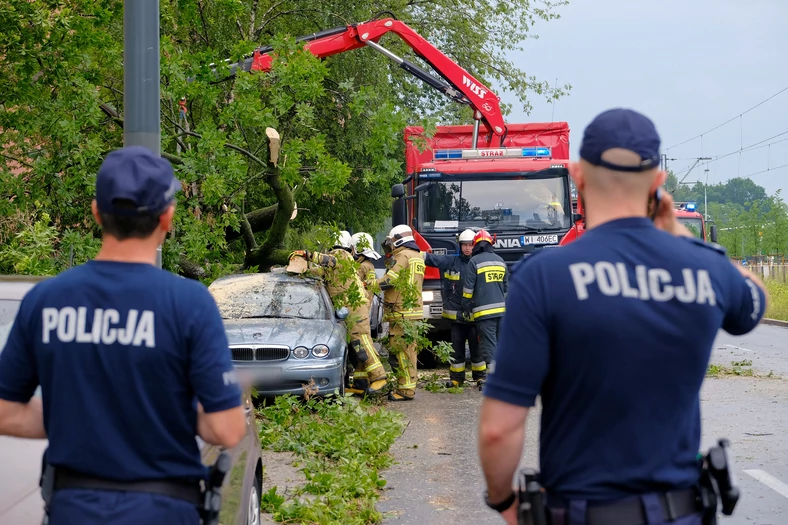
(654, 203)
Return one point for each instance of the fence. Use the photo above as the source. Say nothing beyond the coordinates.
(776, 272)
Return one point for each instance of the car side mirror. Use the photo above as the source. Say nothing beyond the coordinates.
(342, 313)
(713, 233)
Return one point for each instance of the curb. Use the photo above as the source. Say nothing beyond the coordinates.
(775, 322)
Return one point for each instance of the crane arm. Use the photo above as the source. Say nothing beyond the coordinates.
(457, 83)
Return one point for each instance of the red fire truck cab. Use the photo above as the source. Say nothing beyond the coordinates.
(520, 193)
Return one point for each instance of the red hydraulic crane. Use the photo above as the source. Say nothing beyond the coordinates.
(457, 83)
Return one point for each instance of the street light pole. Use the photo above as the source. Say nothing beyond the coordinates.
(141, 78)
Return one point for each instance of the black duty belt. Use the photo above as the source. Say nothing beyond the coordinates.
(178, 489)
(676, 504)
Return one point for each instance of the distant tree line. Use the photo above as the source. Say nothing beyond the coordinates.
(749, 221)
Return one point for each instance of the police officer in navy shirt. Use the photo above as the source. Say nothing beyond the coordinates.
(614, 332)
(132, 362)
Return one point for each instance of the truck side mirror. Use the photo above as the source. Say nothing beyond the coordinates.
(713, 233)
(398, 190)
(576, 217)
(399, 210)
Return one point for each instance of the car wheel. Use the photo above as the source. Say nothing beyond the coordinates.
(253, 517)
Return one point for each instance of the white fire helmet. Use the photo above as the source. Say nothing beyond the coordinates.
(366, 242)
(400, 234)
(466, 236)
(344, 240)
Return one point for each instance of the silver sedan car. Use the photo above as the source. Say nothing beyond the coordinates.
(284, 332)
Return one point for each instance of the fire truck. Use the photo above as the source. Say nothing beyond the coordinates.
(511, 180)
(685, 212)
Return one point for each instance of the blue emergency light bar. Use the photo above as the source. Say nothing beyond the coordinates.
(492, 153)
(690, 206)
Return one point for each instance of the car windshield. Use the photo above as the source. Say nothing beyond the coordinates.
(495, 204)
(270, 298)
(8, 311)
(693, 224)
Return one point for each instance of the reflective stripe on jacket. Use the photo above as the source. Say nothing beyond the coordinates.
(403, 258)
(453, 269)
(485, 285)
(345, 290)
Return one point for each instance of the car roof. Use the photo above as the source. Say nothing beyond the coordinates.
(276, 276)
(14, 287)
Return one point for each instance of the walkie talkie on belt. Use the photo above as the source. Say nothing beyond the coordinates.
(530, 510)
(212, 496)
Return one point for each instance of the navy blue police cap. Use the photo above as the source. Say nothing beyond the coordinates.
(135, 174)
(624, 129)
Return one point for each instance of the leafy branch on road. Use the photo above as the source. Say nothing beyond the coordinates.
(736, 368)
(343, 444)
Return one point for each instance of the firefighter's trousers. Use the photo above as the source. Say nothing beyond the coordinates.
(364, 354)
(461, 332)
(488, 336)
(402, 357)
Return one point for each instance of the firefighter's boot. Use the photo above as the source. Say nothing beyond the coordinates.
(454, 384)
(374, 373)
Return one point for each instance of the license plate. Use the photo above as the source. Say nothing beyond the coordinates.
(269, 372)
(539, 239)
(436, 310)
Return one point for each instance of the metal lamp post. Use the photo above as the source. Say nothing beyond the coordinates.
(141, 78)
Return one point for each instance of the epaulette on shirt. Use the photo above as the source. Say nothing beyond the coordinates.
(708, 245)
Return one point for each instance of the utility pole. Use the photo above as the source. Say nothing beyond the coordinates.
(690, 170)
(705, 200)
(142, 78)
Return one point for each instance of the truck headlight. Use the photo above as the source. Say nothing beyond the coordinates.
(320, 351)
(427, 296)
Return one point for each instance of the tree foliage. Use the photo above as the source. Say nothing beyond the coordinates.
(750, 222)
(340, 119)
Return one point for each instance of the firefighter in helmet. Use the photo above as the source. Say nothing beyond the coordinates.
(344, 288)
(403, 255)
(365, 254)
(484, 292)
(453, 269)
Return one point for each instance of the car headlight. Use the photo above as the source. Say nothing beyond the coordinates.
(427, 296)
(300, 352)
(320, 351)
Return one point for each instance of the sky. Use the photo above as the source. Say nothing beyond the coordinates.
(689, 65)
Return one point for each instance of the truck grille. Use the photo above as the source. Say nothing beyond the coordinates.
(260, 353)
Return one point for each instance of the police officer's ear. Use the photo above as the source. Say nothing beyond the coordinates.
(658, 182)
(165, 219)
(94, 210)
(577, 175)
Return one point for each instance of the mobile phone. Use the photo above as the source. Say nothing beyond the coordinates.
(653, 203)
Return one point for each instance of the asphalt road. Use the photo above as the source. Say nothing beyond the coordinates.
(437, 480)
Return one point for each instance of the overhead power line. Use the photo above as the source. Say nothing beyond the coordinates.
(764, 171)
(752, 147)
(732, 119)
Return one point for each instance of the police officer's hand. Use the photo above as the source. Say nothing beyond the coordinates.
(666, 220)
(510, 514)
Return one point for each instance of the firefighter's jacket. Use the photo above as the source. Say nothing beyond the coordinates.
(453, 269)
(485, 286)
(366, 272)
(409, 259)
(342, 281)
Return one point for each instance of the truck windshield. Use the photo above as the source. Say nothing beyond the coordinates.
(693, 224)
(495, 204)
